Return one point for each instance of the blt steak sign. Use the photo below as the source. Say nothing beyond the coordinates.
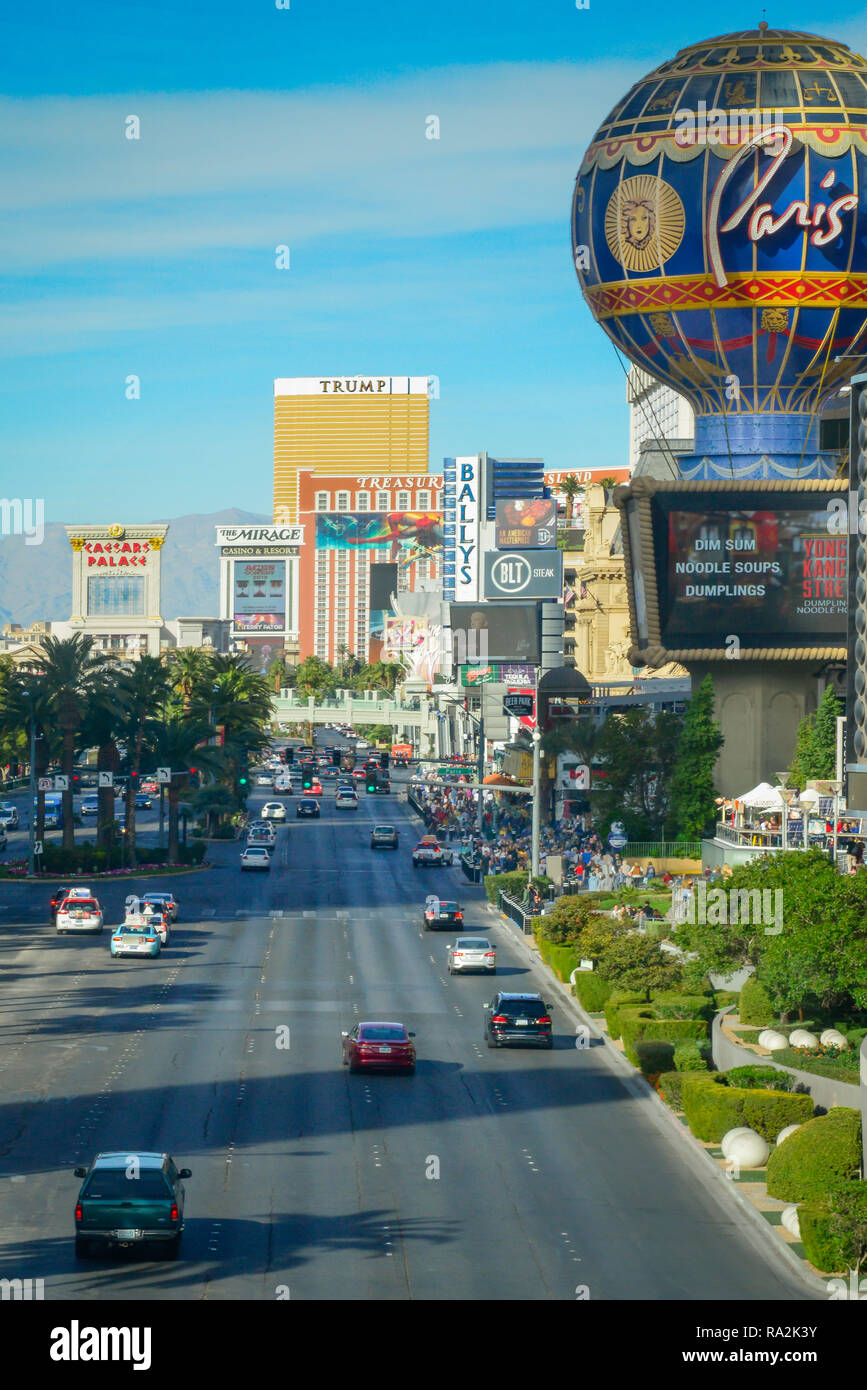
(524, 574)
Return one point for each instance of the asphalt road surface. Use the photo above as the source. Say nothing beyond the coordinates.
(511, 1174)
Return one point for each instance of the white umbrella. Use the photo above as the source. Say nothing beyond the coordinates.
(764, 797)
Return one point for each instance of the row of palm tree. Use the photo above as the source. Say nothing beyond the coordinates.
(138, 715)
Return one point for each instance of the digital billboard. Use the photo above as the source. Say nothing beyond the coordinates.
(524, 574)
(529, 523)
(721, 570)
(410, 536)
(383, 583)
(495, 631)
(259, 595)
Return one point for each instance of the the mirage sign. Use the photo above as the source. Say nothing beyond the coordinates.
(259, 535)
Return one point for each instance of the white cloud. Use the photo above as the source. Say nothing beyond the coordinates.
(231, 170)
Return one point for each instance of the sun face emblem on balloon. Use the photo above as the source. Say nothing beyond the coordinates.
(644, 223)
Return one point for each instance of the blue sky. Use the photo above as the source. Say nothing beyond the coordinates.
(305, 127)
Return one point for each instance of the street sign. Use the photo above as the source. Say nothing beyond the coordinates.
(37, 847)
(164, 774)
(518, 704)
(44, 784)
(106, 779)
(61, 784)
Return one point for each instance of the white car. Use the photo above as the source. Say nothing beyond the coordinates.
(8, 815)
(273, 810)
(471, 953)
(428, 854)
(255, 857)
(157, 919)
(78, 912)
(162, 900)
(346, 799)
(264, 779)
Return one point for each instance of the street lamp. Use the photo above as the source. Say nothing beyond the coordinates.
(31, 850)
(837, 789)
(782, 778)
(537, 810)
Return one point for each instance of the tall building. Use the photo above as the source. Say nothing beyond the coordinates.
(346, 425)
(368, 536)
(655, 412)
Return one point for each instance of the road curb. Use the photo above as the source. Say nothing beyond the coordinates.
(639, 1088)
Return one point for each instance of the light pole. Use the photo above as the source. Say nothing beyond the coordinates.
(31, 860)
(782, 778)
(480, 726)
(838, 790)
(537, 810)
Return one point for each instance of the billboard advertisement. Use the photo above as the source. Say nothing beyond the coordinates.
(462, 512)
(524, 574)
(769, 574)
(417, 643)
(383, 583)
(523, 523)
(719, 570)
(259, 595)
(410, 536)
(511, 673)
(495, 631)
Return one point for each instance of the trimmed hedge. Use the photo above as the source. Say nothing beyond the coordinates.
(712, 1108)
(514, 882)
(654, 1056)
(764, 1078)
(670, 1086)
(755, 1004)
(618, 999)
(687, 1057)
(591, 991)
(825, 1244)
(671, 1030)
(723, 998)
(562, 959)
(670, 1005)
(825, 1151)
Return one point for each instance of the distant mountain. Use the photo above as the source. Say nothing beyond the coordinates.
(36, 580)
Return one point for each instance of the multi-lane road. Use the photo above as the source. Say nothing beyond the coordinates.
(505, 1175)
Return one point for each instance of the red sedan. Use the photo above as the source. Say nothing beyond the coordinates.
(316, 788)
(379, 1047)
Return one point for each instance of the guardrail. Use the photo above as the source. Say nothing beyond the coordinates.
(518, 913)
(662, 849)
(14, 784)
(472, 871)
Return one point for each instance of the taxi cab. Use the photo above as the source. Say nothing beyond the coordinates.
(78, 911)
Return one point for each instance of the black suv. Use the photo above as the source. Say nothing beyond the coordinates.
(443, 914)
(307, 806)
(521, 1018)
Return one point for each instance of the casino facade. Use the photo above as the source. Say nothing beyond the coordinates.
(718, 235)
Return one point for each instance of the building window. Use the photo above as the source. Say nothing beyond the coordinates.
(423, 502)
(362, 501)
(116, 595)
(403, 501)
(382, 502)
(322, 502)
(343, 501)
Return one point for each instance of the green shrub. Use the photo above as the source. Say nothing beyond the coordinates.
(562, 959)
(829, 1240)
(617, 999)
(673, 1030)
(591, 991)
(670, 1083)
(764, 1078)
(151, 855)
(513, 883)
(824, 1151)
(712, 1108)
(844, 1066)
(755, 1004)
(192, 853)
(723, 998)
(654, 1056)
(687, 1057)
(823, 1244)
(671, 1005)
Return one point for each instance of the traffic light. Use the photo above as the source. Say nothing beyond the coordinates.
(371, 781)
(307, 779)
(336, 755)
(242, 780)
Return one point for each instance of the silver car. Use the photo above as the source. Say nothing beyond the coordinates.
(471, 953)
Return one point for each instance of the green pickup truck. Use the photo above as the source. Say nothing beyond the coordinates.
(130, 1199)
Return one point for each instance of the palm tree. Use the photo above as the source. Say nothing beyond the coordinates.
(190, 670)
(181, 744)
(103, 725)
(15, 722)
(71, 672)
(571, 487)
(144, 687)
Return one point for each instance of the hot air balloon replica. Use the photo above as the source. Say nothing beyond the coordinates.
(718, 234)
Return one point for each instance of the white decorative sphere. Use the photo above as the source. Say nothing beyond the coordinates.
(784, 1133)
(801, 1038)
(772, 1040)
(748, 1150)
(790, 1220)
(729, 1138)
(832, 1037)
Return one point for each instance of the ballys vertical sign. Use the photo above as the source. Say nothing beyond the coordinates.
(467, 526)
(822, 221)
